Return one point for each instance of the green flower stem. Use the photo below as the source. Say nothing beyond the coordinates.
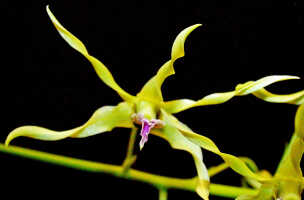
(130, 158)
(131, 143)
(230, 191)
(163, 194)
(132, 174)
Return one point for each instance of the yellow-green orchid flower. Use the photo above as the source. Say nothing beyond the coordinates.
(149, 110)
(288, 181)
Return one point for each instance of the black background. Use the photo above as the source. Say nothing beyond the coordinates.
(47, 83)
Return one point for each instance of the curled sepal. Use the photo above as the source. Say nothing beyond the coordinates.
(152, 89)
(178, 50)
(101, 70)
(178, 141)
(104, 119)
(294, 98)
(249, 87)
(253, 86)
(234, 162)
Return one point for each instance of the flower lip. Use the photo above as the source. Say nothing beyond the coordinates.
(146, 126)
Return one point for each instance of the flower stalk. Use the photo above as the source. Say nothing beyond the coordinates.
(188, 184)
(163, 194)
(130, 158)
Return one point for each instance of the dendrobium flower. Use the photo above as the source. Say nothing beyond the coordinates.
(149, 110)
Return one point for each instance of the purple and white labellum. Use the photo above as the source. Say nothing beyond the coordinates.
(146, 126)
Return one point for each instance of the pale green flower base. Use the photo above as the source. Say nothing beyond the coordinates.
(163, 183)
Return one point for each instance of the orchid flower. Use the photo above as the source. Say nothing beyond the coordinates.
(149, 110)
(288, 181)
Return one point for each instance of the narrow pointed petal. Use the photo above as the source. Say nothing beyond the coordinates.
(101, 70)
(104, 119)
(234, 162)
(178, 141)
(250, 87)
(152, 89)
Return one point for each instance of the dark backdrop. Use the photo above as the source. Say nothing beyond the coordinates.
(47, 83)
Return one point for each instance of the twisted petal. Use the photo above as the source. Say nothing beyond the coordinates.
(104, 119)
(152, 89)
(234, 162)
(254, 87)
(101, 70)
(178, 141)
